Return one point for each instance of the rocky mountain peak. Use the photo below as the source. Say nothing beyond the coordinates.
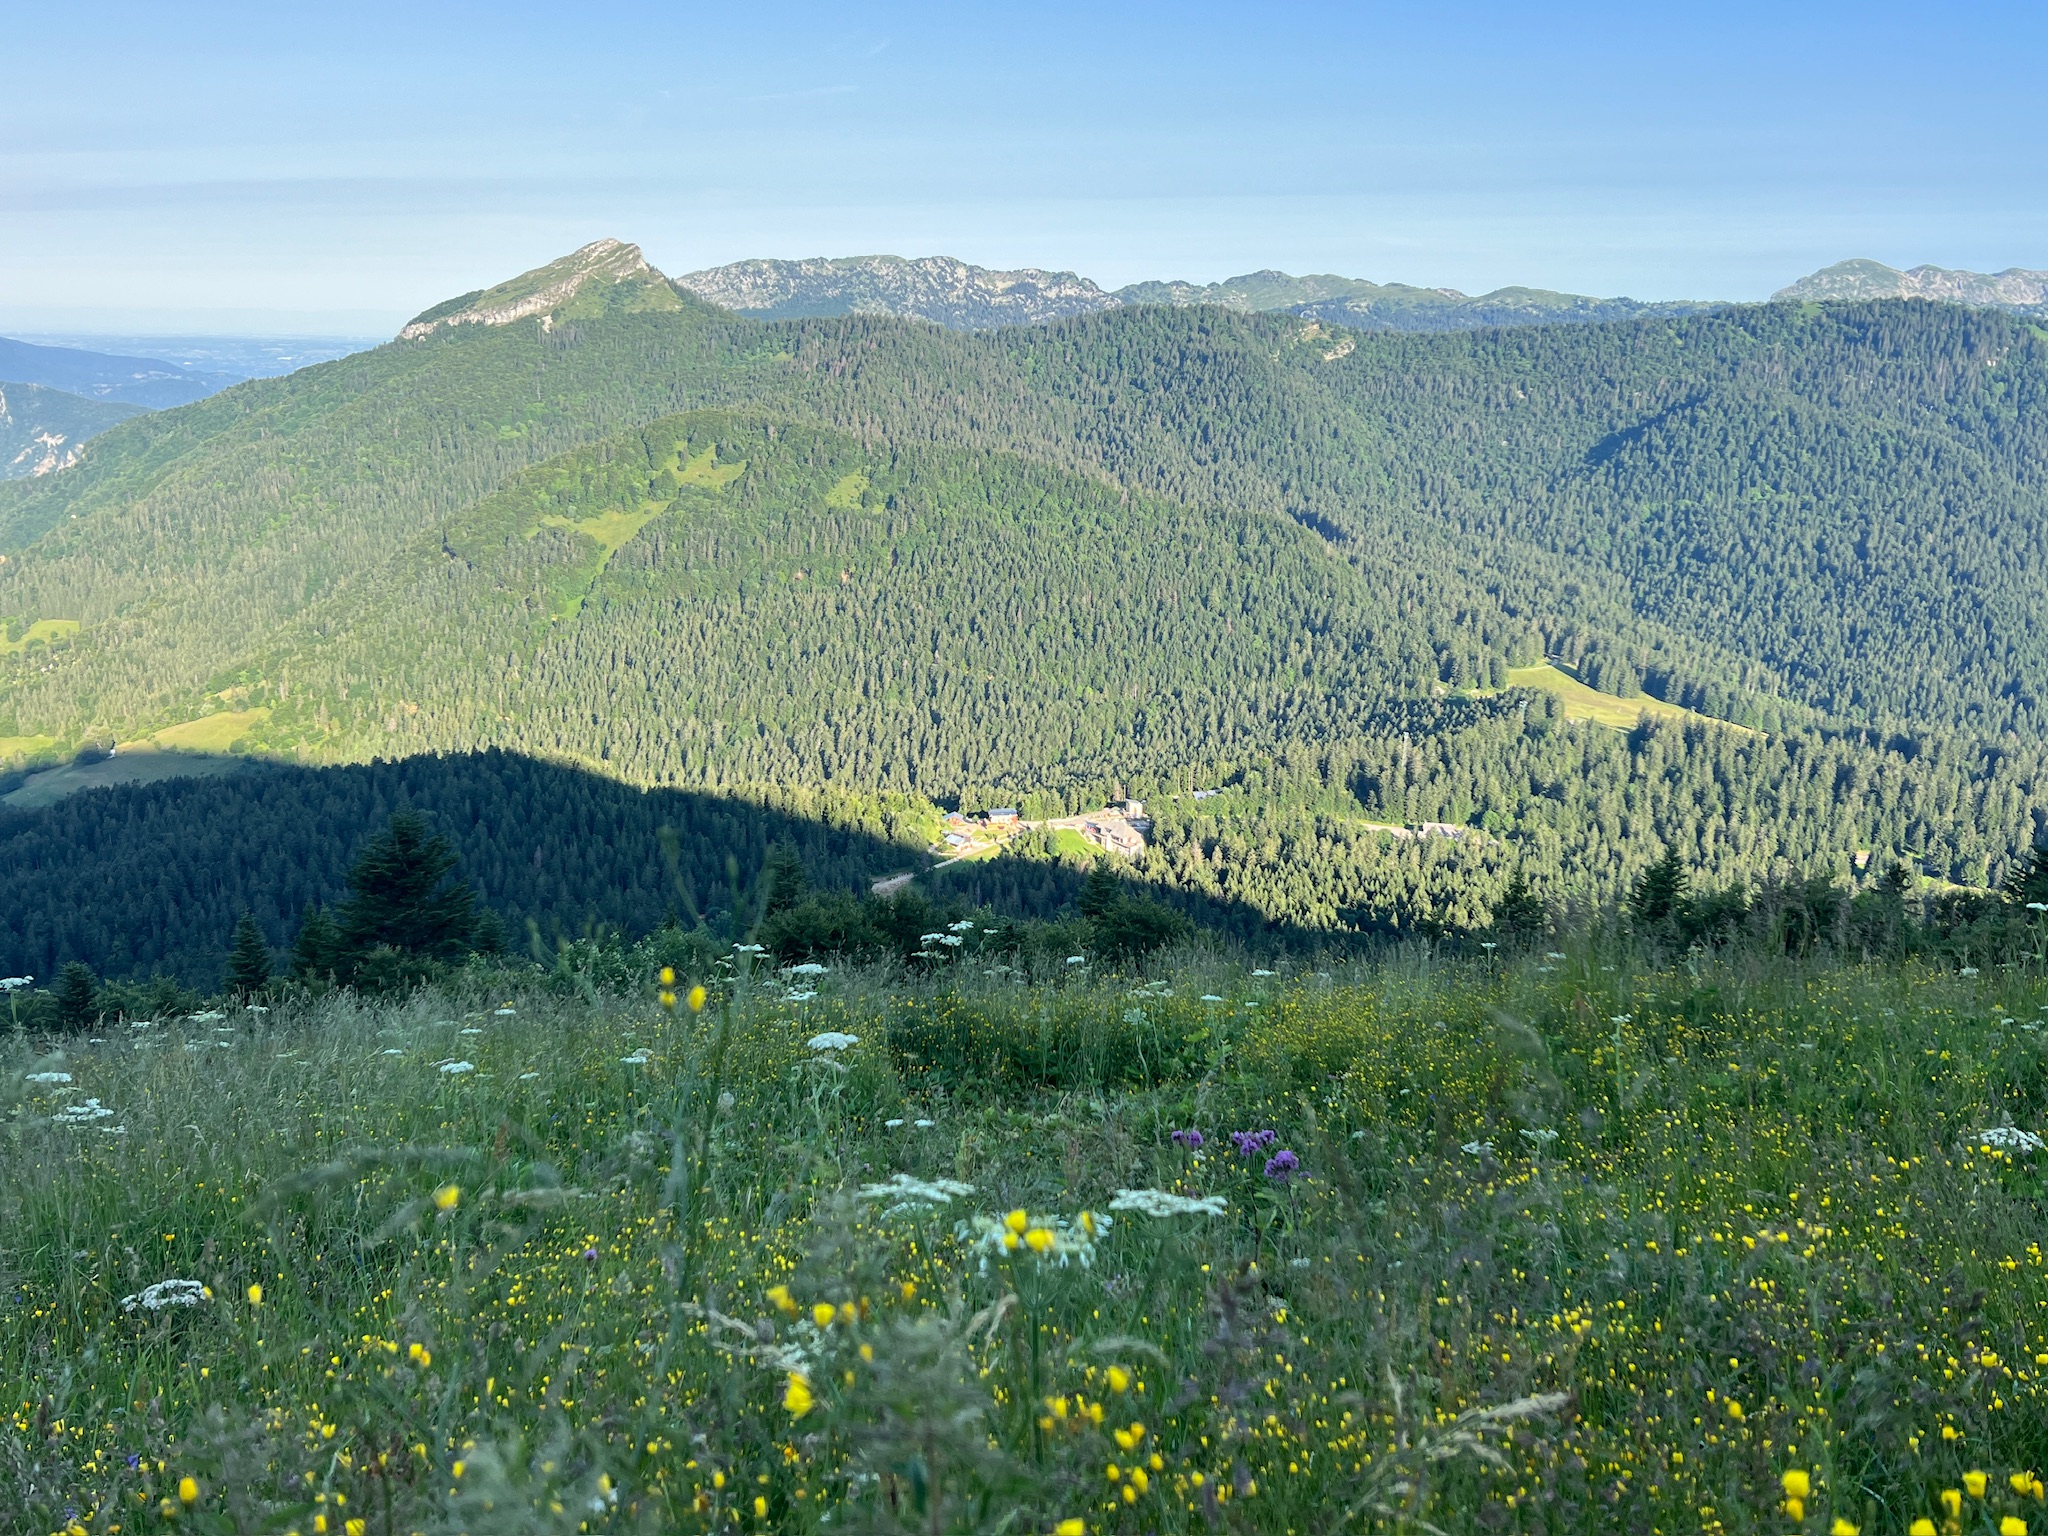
(588, 272)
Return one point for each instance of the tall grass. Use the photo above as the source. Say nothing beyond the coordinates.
(1572, 1245)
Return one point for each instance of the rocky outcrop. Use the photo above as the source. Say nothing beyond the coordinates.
(936, 288)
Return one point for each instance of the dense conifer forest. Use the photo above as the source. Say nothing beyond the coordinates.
(852, 570)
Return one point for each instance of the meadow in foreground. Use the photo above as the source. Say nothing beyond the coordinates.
(1561, 1245)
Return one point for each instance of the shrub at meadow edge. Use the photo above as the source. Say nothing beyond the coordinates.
(1566, 1244)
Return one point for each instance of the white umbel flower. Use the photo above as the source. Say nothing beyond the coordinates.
(167, 1293)
(1160, 1202)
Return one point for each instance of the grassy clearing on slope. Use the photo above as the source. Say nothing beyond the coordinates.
(703, 469)
(847, 491)
(42, 632)
(1584, 703)
(13, 748)
(1560, 1247)
(614, 530)
(211, 733)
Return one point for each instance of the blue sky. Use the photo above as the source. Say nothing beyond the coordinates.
(336, 168)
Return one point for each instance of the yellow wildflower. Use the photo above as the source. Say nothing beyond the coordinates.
(256, 1295)
(188, 1490)
(1973, 1483)
(1797, 1485)
(696, 999)
(796, 1396)
(448, 1196)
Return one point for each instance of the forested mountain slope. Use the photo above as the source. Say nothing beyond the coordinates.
(1146, 546)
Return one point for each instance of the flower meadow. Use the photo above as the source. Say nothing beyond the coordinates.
(1585, 1245)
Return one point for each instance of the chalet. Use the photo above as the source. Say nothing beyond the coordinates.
(1005, 817)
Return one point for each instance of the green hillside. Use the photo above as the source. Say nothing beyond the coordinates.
(42, 430)
(1148, 549)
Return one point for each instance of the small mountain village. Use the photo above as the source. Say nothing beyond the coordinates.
(1118, 829)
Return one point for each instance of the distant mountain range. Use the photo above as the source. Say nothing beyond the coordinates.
(2014, 288)
(958, 294)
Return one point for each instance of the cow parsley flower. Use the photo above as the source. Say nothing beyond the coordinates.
(808, 968)
(167, 1293)
(1160, 1202)
(82, 1113)
(47, 1077)
(832, 1040)
(1476, 1148)
(2010, 1138)
(905, 1193)
(456, 1067)
(1539, 1138)
(639, 1058)
(800, 994)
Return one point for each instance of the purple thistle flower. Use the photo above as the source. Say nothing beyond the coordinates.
(1282, 1166)
(1189, 1138)
(1251, 1143)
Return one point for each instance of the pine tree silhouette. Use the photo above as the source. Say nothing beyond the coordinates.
(248, 970)
(400, 896)
(77, 996)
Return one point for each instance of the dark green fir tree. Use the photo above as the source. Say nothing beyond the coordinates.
(248, 971)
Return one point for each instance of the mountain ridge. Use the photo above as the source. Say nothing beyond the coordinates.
(1862, 279)
(947, 291)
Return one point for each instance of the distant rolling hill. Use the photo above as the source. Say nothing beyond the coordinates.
(144, 381)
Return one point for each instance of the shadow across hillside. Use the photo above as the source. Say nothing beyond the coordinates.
(146, 878)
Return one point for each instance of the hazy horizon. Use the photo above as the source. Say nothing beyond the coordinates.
(232, 169)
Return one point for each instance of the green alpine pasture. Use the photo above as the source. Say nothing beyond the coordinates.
(1554, 1244)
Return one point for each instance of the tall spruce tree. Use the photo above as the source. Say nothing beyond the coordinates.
(78, 996)
(316, 952)
(402, 897)
(1659, 893)
(785, 882)
(248, 971)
